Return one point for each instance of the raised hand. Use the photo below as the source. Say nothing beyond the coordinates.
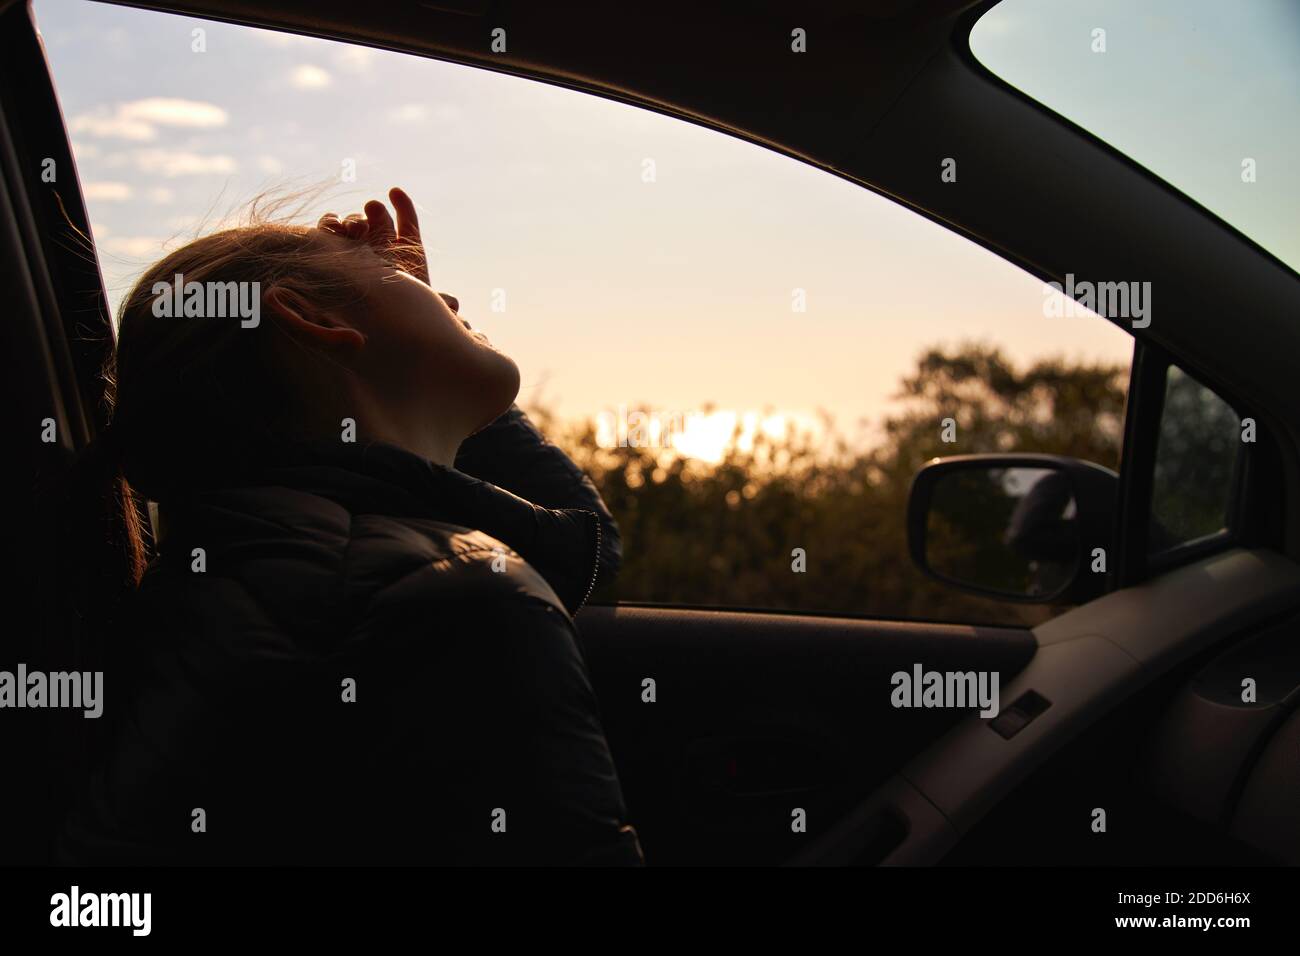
(399, 242)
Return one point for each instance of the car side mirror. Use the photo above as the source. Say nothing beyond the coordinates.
(1029, 528)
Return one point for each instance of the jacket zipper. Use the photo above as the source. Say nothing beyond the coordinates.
(595, 568)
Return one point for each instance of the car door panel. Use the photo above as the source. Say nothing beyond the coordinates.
(1089, 661)
(756, 715)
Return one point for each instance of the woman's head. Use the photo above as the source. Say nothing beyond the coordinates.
(340, 329)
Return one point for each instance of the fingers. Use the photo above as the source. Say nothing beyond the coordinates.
(353, 227)
(382, 231)
(356, 225)
(399, 241)
(330, 223)
(408, 232)
(408, 223)
(376, 225)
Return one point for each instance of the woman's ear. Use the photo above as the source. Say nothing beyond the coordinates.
(308, 323)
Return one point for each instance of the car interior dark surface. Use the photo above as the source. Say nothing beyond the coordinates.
(1129, 700)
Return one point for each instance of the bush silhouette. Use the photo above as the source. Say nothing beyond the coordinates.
(723, 535)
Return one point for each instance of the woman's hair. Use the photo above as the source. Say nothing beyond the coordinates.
(192, 400)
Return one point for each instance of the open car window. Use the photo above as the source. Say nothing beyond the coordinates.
(750, 357)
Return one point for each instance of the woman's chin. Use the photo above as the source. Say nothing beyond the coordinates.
(510, 379)
(502, 391)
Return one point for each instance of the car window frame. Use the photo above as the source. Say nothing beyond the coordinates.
(1144, 416)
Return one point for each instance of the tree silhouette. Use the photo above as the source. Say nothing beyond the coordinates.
(723, 535)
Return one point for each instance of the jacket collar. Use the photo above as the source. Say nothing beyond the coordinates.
(381, 478)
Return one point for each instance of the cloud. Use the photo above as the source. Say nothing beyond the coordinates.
(136, 247)
(106, 191)
(161, 195)
(168, 111)
(349, 58)
(102, 124)
(269, 164)
(175, 162)
(308, 77)
(139, 119)
(356, 59)
(409, 113)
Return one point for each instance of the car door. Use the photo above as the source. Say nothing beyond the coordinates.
(741, 736)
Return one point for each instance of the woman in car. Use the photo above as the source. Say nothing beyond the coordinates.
(354, 643)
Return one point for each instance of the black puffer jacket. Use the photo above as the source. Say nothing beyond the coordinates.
(442, 600)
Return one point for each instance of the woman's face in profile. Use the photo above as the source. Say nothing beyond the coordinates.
(417, 347)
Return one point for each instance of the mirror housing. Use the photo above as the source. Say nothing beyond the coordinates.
(1018, 528)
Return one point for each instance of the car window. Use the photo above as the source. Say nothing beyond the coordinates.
(1202, 93)
(750, 356)
(1197, 450)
